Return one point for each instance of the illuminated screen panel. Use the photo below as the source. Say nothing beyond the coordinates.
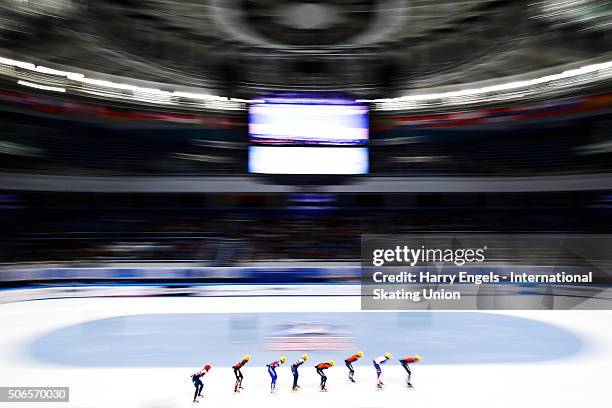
(308, 160)
(314, 122)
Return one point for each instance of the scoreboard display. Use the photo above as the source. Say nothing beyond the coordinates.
(308, 136)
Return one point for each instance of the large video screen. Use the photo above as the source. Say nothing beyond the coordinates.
(308, 160)
(308, 136)
(309, 122)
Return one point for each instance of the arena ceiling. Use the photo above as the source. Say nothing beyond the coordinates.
(248, 47)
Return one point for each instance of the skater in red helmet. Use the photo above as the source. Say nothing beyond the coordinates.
(197, 382)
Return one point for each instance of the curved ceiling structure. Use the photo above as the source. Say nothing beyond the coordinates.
(374, 49)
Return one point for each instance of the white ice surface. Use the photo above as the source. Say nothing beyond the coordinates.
(579, 381)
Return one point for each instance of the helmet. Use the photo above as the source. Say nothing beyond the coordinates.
(388, 355)
(247, 357)
(418, 357)
(360, 353)
(332, 362)
(304, 356)
(207, 367)
(283, 359)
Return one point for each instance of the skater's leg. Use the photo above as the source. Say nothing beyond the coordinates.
(196, 384)
(295, 376)
(322, 385)
(378, 374)
(405, 365)
(271, 377)
(272, 372)
(239, 377)
(351, 370)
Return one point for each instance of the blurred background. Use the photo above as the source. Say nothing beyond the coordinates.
(128, 132)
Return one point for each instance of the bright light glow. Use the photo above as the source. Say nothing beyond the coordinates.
(20, 64)
(504, 91)
(308, 160)
(51, 71)
(109, 89)
(199, 96)
(43, 87)
(589, 72)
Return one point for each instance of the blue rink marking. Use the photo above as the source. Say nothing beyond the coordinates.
(190, 339)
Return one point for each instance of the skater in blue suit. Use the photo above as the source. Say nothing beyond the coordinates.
(294, 370)
(378, 361)
(272, 371)
(197, 382)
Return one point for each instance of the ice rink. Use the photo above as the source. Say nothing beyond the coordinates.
(140, 352)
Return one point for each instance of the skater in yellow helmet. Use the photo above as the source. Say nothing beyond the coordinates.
(294, 370)
(272, 371)
(349, 364)
(409, 360)
(324, 366)
(378, 361)
(238, 373)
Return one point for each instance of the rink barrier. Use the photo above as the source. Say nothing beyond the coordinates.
(68, 291)
(190, 274)
(25, 284)
(278, 274)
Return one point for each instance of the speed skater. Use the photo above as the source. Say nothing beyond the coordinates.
(294, 370)
(349, 364)
(238, 373)
(197, 382)
(378, 361)
(409, 360)
(324, 366)
(272, 371)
